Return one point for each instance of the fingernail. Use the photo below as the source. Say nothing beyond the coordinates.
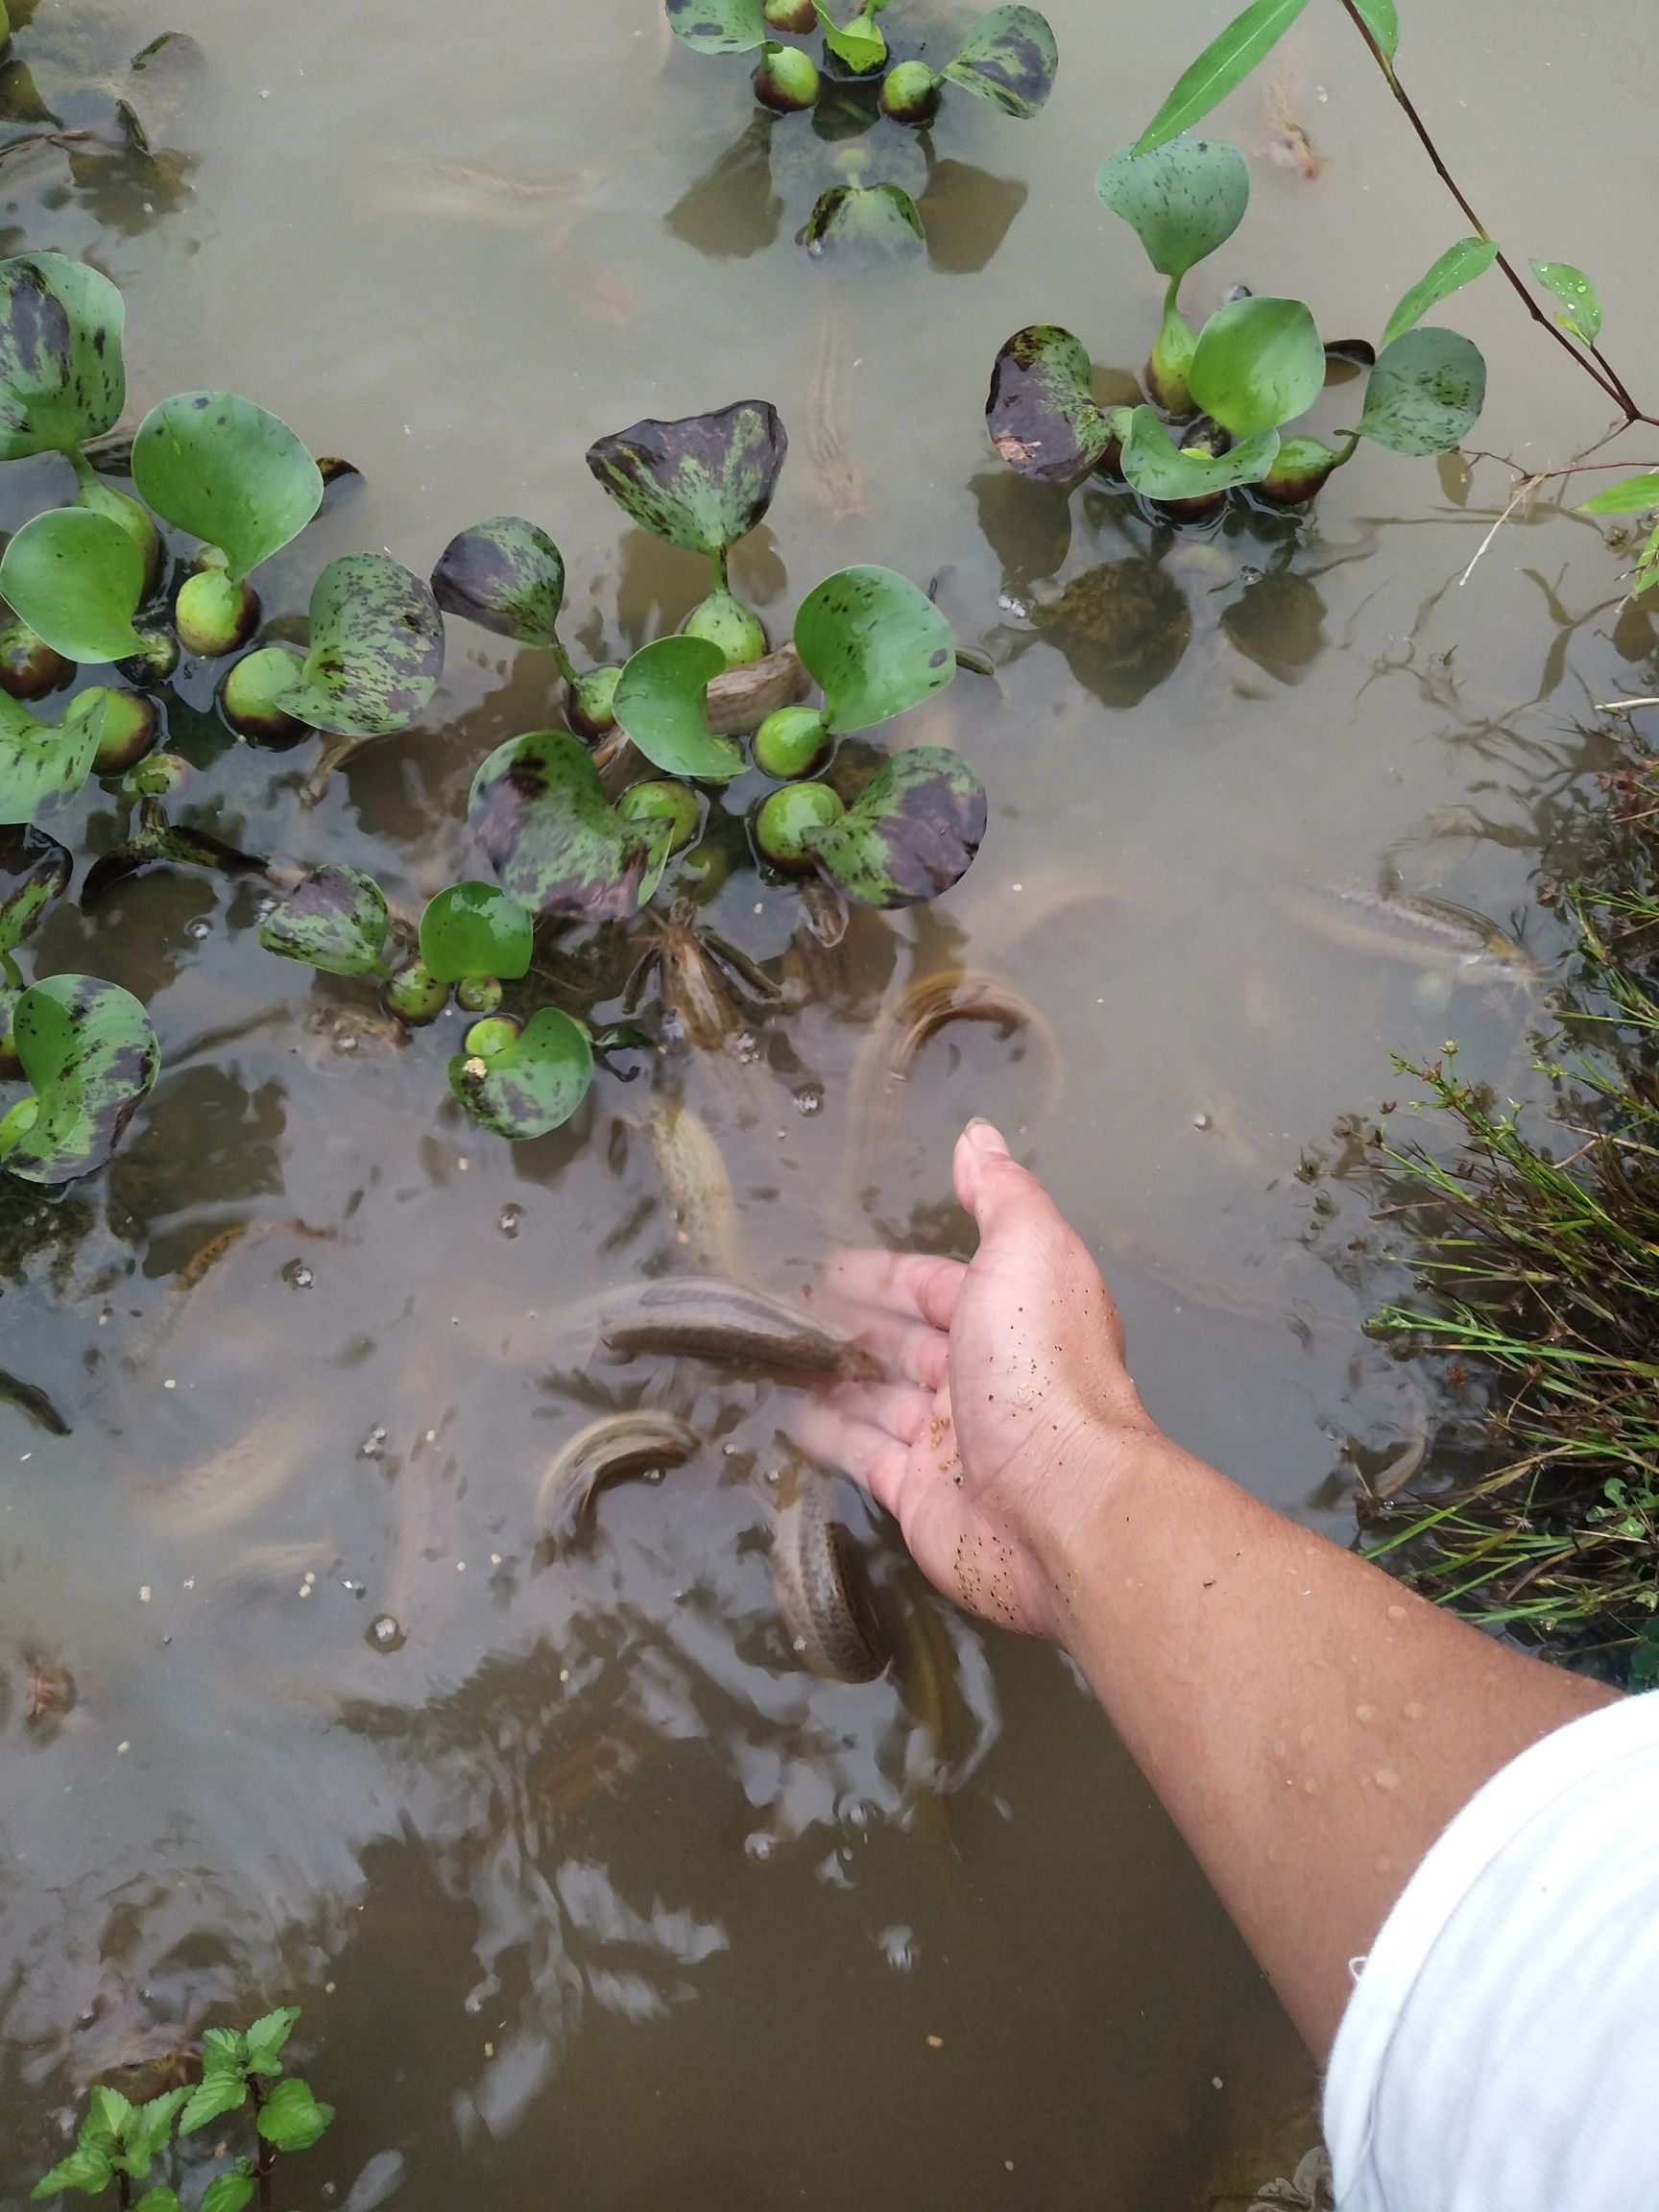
(986, 1139)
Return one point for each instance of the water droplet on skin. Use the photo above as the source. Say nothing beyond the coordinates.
(811, 1101)
(374, 1445)
(509, 1221)
(384, 1633)
(298, 1274)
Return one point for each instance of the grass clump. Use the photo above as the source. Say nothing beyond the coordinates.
(1536, 1249)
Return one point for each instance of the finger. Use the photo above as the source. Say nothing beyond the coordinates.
(908, 1283)
(903, 1411)
(911, 1349)
(869, 1454)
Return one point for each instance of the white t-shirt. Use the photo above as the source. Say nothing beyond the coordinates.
(1501, 2050)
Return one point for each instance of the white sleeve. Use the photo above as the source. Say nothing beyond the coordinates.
(1501, 2050)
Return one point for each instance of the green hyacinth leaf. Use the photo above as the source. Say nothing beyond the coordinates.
(1224, 63)
(61, 379)
(875, 222)
(700, 483)
(1457, 266)
(1182, 200)
(1423, 394)
(554, 841)
(531, 1085)
(661, 701)
(76, 579)
(1380, 18)
(1161, 469)
(376, 649)
(1631, 496)
(39, 761)
(89, 1055)
(476, 929)
(506, 575)
(1258, 363)
(1042, 412)
(227, 471)
(1008, 58)
(35, 872)
(1578, 296)
(910, 834)
(335, 920)
(718, 26)
(858, 43)
(875, 644)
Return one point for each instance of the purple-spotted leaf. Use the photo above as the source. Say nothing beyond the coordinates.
(507, 575)
(35, 872)
(876, 221)
(335, 919)
(700, 483)
(1042, 412)
(1425, 393)
(531, 1085)
(376, 649)
(89, 1055)
(1008, 58)
(41, 760)
(62, 380)
(911, 834)
(554, 841)
(1182, 200)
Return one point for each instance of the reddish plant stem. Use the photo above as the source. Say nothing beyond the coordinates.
(267, 2149)
(1590, 359)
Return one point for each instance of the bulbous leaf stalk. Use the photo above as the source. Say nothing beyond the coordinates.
(910, 93)
(29, 668)
(724, 622)
(783, 821)
(589, 702)
(215, 616)
(786, 80)
(251, 688)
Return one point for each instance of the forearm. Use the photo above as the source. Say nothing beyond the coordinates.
(1309, 1724)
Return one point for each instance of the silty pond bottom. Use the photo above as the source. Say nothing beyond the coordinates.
(587, 1886)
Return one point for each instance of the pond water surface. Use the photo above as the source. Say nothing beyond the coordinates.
(590, 1894)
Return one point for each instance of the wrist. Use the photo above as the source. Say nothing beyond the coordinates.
(1101, 1472)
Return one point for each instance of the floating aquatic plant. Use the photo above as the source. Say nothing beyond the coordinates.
(1220, 400)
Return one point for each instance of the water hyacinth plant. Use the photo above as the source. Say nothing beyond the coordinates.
(1220, 402)
(1008, 59)
(571, 837)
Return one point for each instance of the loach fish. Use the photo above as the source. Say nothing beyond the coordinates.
(30, 1399)
(215, 1493)
(895, 1037)
(822, 1591)
(1423, 932)
(481, 192)
(836, 476)
(707, 1318)
(636, 1442)
(699, 1188)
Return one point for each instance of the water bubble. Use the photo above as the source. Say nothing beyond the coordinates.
(266, 906)
(652, 1474)
(809, 1100)
(509, 1221)
(855, 1814)
(374, 1445)
(384, 1634)
(1202, 1121)
(346, 1040)
(759, 1846)
(196, 930)
(900, 1948)
(746, 1047)
(1011, 604)
(298, 1274)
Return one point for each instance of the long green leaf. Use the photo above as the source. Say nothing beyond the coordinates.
(1224, 63)
(1457, 266)
(1629, 497)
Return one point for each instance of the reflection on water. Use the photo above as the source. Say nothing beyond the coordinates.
(582, 1882)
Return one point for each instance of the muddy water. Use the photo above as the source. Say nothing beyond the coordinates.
(585, 1888)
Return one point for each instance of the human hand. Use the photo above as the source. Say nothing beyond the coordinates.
(1010, 1407)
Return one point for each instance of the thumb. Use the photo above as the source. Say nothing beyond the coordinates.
(991, 1186)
